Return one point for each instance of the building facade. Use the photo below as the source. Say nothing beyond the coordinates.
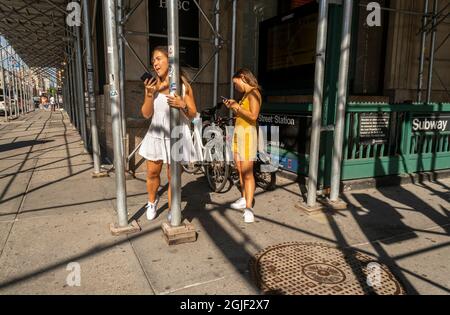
(384, 62)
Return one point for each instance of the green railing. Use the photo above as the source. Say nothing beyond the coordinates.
(403, 151)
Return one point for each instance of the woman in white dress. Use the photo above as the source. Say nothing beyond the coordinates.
(156, 144)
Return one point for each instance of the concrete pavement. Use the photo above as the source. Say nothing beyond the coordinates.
(52, 213)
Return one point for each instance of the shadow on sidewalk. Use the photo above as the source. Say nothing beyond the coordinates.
(21, 144)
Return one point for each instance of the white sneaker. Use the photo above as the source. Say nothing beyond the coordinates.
(249, 216)
(151, 210)
(239, 204)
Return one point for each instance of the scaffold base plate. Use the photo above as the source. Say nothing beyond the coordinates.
(100, 175)
(132, 228)
(318, 208)
(338, 205)
(175, 235)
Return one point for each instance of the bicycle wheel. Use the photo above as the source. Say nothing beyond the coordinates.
(217, 173)
(191, 168)
(265, 180)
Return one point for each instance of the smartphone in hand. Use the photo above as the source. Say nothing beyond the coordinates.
(224, 99)
(146, 76)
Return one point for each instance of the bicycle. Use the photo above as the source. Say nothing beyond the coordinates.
(219, 172)
(208, 118)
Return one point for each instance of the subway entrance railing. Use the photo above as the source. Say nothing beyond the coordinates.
(380, 139)
(408, 145)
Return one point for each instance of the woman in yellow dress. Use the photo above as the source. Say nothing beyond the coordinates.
(245, 138)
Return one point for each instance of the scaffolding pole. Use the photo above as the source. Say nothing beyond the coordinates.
(2, 65)
(123, 118)
(114, 97)
(233, 52)
(16, 101)
(80, 85)
(432, 44)
(216, 57)
(21, 93)
(10, 86)
(73, 90)
(342, 101)
(174, 84)
(91, 91)
(317, 103)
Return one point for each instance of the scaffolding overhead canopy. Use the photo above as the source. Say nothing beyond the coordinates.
(36, 29)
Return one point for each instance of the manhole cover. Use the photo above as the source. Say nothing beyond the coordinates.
(318, 269)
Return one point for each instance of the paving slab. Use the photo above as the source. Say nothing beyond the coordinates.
(51, 174)
(9, 209)
(13, 184)
(39, 251)
(62, 197)
(11, 167)
(5, 228)
(419, 263)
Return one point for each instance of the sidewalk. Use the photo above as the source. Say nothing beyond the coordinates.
(53, 213)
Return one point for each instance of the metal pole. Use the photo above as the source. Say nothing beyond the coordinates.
(91, 91)
(114, 78)
(122, 78)
(175, 170)
(16, 80)
(422, 52)
(20, 85)
(80, 85)
(64, 93)
(16, 112)
(4, 83)
(342, 100)
(8, 67)
(11, 78)
(21, 88)
(25, 88)
(317, 102)
(26, 103)
(30, 94)
(72, 94)
(433, 44)
(216, 57)
(233, 51)
(73, 90)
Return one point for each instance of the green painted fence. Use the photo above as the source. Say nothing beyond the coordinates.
(405, 151)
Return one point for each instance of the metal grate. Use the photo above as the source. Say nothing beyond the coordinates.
(318, 269)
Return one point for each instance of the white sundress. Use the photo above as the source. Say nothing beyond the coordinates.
(156, 143)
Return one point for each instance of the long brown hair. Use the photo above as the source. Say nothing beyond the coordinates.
(183, 75)
(248, 77)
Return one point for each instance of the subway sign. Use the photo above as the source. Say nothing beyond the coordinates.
(436, 124)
